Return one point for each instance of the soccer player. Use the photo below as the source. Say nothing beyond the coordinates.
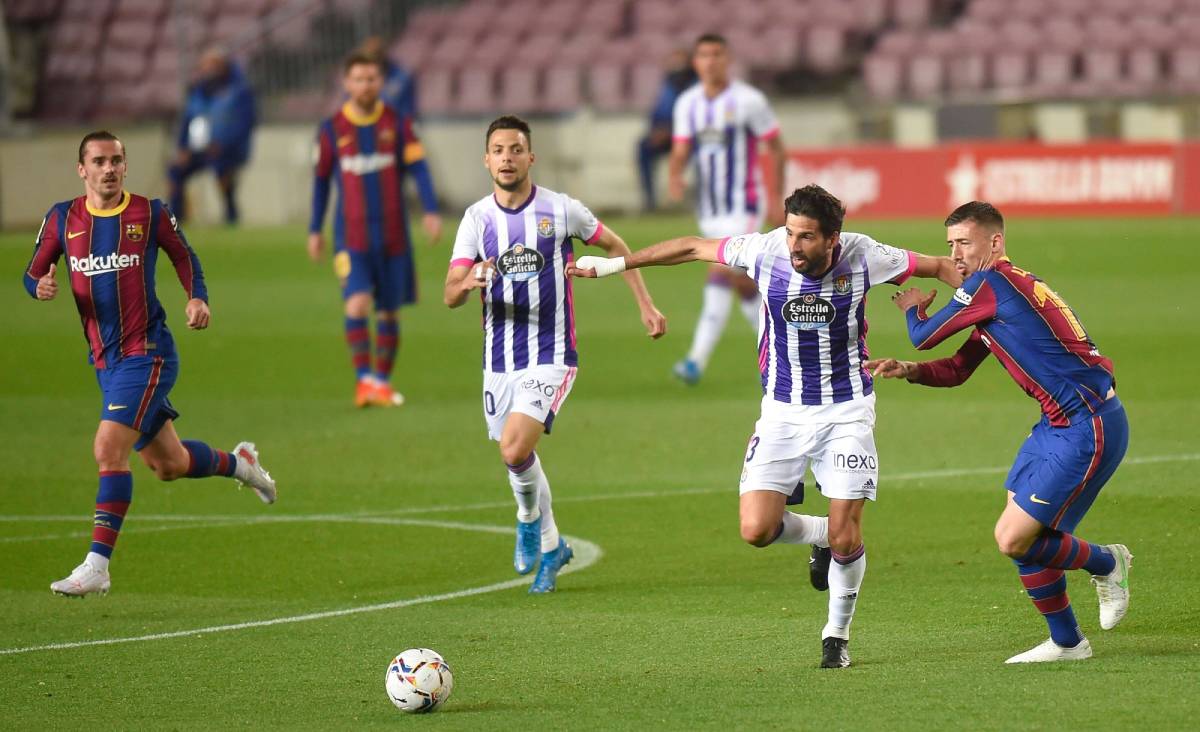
(367, 148)
(111, 239)
(720, 122)
(818, 403)
(1069, 455)
(513, 246)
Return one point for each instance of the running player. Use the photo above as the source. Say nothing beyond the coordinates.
(1069, 455)
(513, 246)
(371, 148)
(720, 121)
(111, 239)
(818, 404)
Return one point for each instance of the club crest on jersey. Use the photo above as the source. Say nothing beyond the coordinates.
(520, 263)
(134, 232)
(808, 312)
(545, 227)
(841, 284)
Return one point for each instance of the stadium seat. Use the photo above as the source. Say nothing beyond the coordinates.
(1053, 72)
(437, 90)
(30, 11)
(476, 91)
(140, 9)
(1011, 70)
(926, 75)
(133, 33)
(883, 76)
(518, 90)
(90, 11)
(912, 13)
(452, 52)
(1185, 69)
(120, 64)
(64, 64)
(606, 87)
(645, 81)
(563, 90)
(824, 47)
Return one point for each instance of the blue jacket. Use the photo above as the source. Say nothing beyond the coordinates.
(230, 109)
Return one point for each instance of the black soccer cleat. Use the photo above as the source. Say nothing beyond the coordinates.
(818, 567)
(835, 653)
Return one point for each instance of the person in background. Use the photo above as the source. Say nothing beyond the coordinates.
(399, 86)
(218, 122)
(657, 141)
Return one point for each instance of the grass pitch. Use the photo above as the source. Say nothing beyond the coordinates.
(677, 625)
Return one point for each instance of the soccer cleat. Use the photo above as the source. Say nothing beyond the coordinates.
(1048, 651)
(1113, 588)
(552, 562)
(687, 371)
(364, 393)
(384, 396)
(249, 471)
(528, 546)
(835, 652)
(83, 580)
(818, 567)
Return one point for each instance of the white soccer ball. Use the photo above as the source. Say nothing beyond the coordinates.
(418, 680)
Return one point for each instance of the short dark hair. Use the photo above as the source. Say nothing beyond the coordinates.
(98, 136)
(711, 38)
(819, 204)
(357, 58)
(981, 212)
(508, 122)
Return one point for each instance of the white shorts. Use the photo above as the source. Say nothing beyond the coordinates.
(538, 391)
(719, 227)
(842, 455)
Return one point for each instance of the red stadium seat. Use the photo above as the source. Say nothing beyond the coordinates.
(518, 90)
(30, 11)
(120, 64)
(134, 33)
(912, 13)
(926, 75)
(140, 9)
(563, 90)
(476, 91)
(645, 81)
(824, 48)
(452, 52)
(436, 86)
(883, 76)
(1011, 69)
(64, 64)
(606, 87)
(1053, 72)
(91, 11)
(1185, 69)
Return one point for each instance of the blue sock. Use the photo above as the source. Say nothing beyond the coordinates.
(112, 501)
(1047, 587)
(207, 461)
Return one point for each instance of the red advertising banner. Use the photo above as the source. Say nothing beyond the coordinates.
(1023, 178)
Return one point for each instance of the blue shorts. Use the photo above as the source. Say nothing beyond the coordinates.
(390, 279)
(1060, 470)
(135, 392)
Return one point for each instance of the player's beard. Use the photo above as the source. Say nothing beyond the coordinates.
(514, 185)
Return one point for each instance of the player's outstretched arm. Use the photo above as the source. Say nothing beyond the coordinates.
(655, 322)
(941, 268)
(950, 371)
(665, 253)
(462, 278)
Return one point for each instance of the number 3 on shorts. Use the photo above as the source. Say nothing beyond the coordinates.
(752, 447)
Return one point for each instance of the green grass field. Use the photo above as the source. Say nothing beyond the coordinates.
(677, 625)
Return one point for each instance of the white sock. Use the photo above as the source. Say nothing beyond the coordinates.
(844, 583)
(99, 562)
(549, 528)
(525, 488)
(718, 300)
(751, 309)
(799, 528)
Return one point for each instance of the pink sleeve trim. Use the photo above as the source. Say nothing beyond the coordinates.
(461, 262)
(770, 134)
(681, 138)
(912, 267)
(721, 251)
(599, 230)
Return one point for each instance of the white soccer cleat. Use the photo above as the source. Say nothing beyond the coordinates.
(1051, 651)
(1113, 588)
(83, 580)
(250, 472)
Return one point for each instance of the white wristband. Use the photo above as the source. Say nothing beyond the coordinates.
(604, 266)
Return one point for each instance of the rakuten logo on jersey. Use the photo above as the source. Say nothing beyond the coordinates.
(364, 164)
(92, 265)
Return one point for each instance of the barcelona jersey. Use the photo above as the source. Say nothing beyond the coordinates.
(110, 257)
(367, 158)
(1032, 332)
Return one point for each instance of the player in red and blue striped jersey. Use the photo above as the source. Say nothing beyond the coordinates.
(367, 148)
(111, 239)
(1069, 455)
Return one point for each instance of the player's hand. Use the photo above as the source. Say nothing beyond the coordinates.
(316, 243)
(47, 287)
(890, 368)
(913, 298)
(479, 276)
(655, 322)
(675, 188)
(433, 227)
(183, 156)
(590, 266)
(197, 314)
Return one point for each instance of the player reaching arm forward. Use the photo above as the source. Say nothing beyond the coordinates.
(818, 404)
(514, 246)
(1069, 455)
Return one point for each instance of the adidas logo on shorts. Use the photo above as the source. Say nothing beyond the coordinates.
(870, 484)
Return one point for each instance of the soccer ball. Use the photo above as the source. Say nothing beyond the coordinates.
(418, 680)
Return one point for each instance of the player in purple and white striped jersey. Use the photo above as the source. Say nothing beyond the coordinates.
(818, 405)
(719, 124)
(514, 247)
